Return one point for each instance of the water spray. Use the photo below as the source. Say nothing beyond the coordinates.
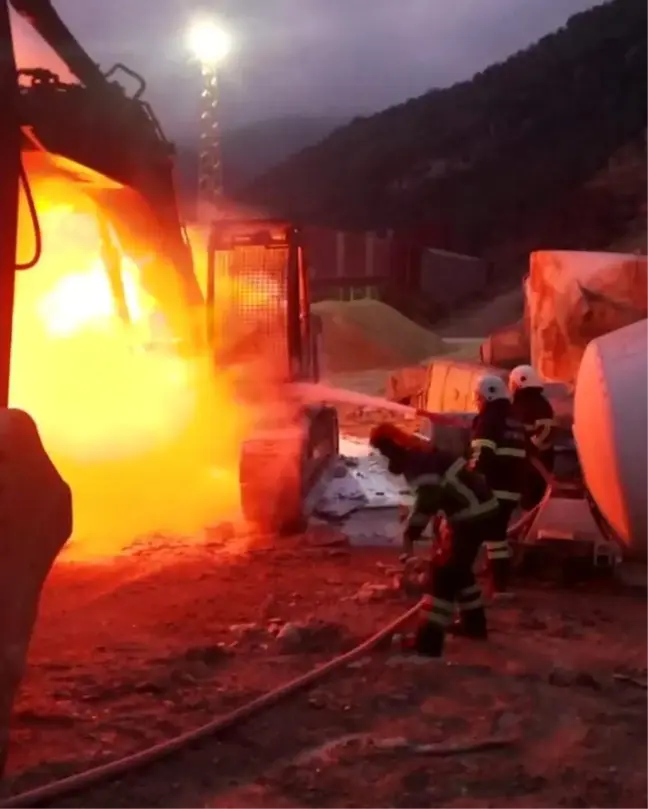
(328, 394)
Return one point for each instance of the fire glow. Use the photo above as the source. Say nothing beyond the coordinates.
(147, 438)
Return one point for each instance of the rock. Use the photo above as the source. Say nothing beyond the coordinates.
(309, 636)
(564, 677)
(222, 532)
(372, 592)
(360, 663)
(36, 520)
(205, 654)
(267, 607)
(246, 631)
(326, 537)
(530, 621)
(289, 638)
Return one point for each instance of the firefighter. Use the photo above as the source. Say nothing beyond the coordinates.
(442, 483)
(535, 412)
(498, 452)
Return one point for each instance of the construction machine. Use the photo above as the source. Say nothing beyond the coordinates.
(259, 315)
(109, 145)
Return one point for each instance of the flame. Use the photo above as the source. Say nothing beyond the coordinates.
(148, 439)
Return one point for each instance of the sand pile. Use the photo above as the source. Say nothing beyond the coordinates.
(359, 335)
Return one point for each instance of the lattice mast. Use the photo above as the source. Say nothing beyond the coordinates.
(210, 164)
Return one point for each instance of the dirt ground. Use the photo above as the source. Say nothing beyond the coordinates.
(131, 653)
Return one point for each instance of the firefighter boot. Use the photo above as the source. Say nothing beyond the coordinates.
(500, 576)
(471, 624)
(429, 640)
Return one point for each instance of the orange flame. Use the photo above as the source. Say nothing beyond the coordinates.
(147, 439)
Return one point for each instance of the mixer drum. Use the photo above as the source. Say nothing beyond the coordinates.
(610, 430)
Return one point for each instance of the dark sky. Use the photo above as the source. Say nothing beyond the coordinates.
(331, 57)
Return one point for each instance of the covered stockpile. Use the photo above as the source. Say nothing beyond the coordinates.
(366, 334)
(574, 297)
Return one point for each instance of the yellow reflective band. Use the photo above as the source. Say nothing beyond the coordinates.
(434, 616)
(437, 611)
(438, 605)
(498, 550)
(545, 422)
(545, 426)
(497, 554)
(470, 592)
(511, 452)
(452, 479)
(501, 494)
(429, 479)
(497, 544)
(483, 442)
(476, 604)
(475, 511)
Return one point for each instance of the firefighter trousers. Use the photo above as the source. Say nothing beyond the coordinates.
(498, 549)
(451, 585)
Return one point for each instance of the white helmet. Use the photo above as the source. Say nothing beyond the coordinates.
(489, 388)
(524, 376)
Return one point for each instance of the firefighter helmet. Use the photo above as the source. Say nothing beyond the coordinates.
(524, 376)
(489, 388)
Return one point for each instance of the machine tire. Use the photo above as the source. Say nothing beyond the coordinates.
(277, 506)
(273, 505)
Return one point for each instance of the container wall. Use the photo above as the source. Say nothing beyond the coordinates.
(450, 278)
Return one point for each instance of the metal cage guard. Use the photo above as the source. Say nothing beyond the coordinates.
(266, 252)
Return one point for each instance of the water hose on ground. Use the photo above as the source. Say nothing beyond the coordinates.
(114, 769)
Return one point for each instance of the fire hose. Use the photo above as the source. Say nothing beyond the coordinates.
(114, 769)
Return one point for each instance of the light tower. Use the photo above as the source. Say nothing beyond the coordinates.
(209, 45)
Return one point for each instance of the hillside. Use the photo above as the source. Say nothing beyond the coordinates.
(249, 151)
(493, 156)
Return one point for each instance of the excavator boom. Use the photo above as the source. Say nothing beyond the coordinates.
(45, 20)
(96, 124)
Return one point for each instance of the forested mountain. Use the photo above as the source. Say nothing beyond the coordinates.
(494, 156)
(251, 150)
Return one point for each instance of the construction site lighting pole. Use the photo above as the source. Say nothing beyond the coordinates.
(209, 44)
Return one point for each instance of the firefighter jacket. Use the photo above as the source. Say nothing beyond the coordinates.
(499, 449)
(533, 409)
(443, 483)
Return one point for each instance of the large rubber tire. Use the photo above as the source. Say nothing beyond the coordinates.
(272, 504)
(277, 505)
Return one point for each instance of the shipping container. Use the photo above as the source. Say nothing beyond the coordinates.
(450, 279)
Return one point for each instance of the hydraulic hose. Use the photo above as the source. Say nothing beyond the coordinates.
(115, 769)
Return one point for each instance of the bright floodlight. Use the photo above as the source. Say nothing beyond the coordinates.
(208, 42)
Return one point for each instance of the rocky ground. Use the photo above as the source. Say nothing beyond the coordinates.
(550, 712)
(136, 652)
